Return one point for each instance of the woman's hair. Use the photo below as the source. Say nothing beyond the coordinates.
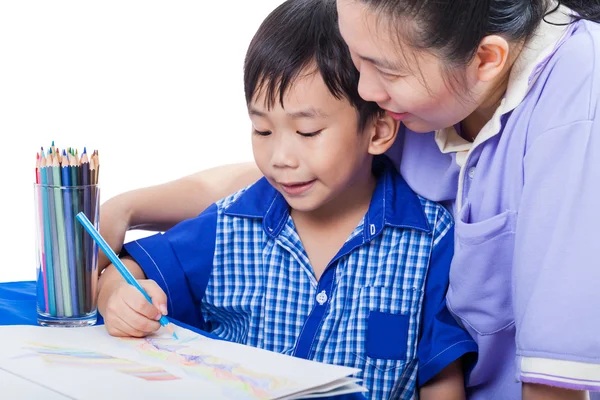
(302, 36)
(454, 28)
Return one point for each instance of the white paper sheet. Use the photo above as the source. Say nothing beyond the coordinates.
(16, 388)
(87, 363)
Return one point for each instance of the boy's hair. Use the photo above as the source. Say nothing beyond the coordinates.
(296, 36)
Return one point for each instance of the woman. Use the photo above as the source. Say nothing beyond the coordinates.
(499, 102)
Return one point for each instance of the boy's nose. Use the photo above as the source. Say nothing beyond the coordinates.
(284, 155)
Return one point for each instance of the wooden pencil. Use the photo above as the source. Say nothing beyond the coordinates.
(77, 196)
(88, 244)
(97, 164)
(48, 250)
(67, 192)
(61, 236)
(42, 235)
(56, 270)
(94, 218)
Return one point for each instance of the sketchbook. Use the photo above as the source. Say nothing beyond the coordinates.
(89, 364)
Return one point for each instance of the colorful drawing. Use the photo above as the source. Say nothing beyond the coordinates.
(184, 357)
(200, 364)
(89, 359)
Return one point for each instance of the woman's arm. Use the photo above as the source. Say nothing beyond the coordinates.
(160, 207)
(542, 392)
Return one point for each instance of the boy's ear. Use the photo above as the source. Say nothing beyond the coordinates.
(383, 132)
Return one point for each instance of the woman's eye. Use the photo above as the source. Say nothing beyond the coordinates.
(388, 76)
(310, 134)
(262, 133)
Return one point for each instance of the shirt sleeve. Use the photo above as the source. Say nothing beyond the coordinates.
(180, 261)
(443, 340)
(557, 264)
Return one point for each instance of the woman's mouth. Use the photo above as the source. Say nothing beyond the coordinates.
(398, 116)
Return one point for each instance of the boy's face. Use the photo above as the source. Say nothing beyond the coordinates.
(311, 151)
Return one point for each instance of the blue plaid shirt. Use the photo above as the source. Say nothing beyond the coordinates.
(239, 271)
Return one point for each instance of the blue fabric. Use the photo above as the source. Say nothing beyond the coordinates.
(441, 341)
(18, 303)
(387, 335)
(18, 307)
(262, 290)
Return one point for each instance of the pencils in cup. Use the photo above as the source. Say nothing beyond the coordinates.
(164, 321)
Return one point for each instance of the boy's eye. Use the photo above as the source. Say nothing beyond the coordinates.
(261, 133)
(310, 134)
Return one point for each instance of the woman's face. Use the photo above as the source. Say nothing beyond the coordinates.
(406, 82)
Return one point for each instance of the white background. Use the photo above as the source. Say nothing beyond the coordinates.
(155, 86)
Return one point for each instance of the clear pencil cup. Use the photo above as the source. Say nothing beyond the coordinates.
(66, 255)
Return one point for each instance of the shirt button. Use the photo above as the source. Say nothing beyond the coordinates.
(322, 298)
(471, 172)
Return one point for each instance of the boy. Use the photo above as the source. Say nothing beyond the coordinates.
(330, 256)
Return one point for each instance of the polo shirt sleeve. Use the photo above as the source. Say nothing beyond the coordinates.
(180, 261)
(557, 259)
(442, 340)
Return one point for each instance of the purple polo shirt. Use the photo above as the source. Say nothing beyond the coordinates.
(525, 277)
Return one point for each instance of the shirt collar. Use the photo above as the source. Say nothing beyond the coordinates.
(549, 35)
(393, 203)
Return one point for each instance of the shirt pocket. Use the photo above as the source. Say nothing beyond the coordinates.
(389, 319)
(480, 291)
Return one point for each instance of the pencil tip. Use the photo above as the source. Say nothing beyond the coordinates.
(84, 150)
(169, 327)
(53, 143)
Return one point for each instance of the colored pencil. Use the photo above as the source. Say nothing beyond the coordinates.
(88, 243)
(62, 245)
(78, 231)
(94, 207)
(37, 168)
(56, 271)
(42, 237)
(69, 233)
(164, 321)
(48, 252)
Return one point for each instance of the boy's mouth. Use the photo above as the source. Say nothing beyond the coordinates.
(296, 188)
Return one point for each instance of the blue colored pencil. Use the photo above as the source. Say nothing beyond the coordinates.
(47, 240)
(164, 321)
(70, 234)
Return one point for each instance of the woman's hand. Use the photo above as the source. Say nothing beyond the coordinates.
(115, 219)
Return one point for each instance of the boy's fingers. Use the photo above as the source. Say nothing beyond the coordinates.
(158, 296)
(136, 325)
(114, 331)
(138, 322)
(127, 322)
(138, 302)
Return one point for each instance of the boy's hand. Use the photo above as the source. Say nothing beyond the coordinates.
(126, 311)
